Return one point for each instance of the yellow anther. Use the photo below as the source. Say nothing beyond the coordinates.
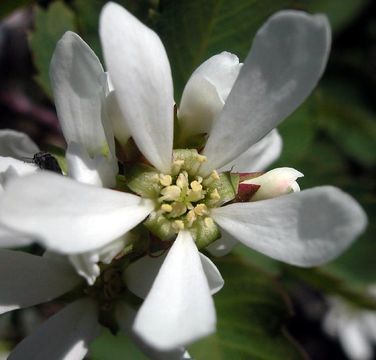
(208, 221)
(196, 186)
(199, 179)
(182, 180)
(178, 225)
(214, 175)
(201, 210)
(166, 208)
(165, 180)
(170, 193)
(191, 217)
(215, 195)
(201, 158)
(178, 209)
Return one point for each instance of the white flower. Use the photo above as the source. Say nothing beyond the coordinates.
(68, 333)
(354, 327)
(182, 193)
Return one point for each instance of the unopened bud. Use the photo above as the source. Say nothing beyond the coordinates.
(274, 183)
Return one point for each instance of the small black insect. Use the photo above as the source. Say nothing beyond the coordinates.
(46, 161)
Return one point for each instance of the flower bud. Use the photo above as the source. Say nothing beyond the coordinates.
(275, 183)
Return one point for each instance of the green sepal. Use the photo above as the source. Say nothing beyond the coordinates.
(189, 156)
(161, 227)
(121, 182)
(227, 186)
(143, 180)
(204, 232)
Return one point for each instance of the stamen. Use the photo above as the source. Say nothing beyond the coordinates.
(211, 178)
(182, 180)
(166, 208)
(215, 195)
(196, 186)
(201, 210)
(178, 225)
(208, 221)
(178, 209)
(191, 218)
(165, 180)
(170, 193)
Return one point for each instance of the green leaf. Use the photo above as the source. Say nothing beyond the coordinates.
(192, 31)
(332, 285)
(351, 126)
(50, 25)
(298, 132)
(340, 12)
(110, 347)
(6, 7)
(87, 15)
(251, 311)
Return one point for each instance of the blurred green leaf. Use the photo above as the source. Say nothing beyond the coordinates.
(192, 31)
(110, 347)
(340, 12)
(332, 285)
(50, 25)
(351, 127)
(87, 15)
(298, 132)
(251, 311)
(7, 7)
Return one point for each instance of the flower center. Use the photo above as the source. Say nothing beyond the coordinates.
(183, 197)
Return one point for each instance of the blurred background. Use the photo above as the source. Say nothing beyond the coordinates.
(331, 139)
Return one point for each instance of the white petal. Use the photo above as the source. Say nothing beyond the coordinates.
(223, 245)
(19, 168)
(86, 264)
(179, 308)
(125, 316)
(16, 144)
(306, 229)
(141, 74)
(206, 92)
(369, 322)
(27, 280)
(259, 156)
(10, 238)
(140, 275)
(69, 217)
(212, 274)
(288, 56)
(97, 170)
(79, 85)
(354, 342)
(115, 116)
(66, 335)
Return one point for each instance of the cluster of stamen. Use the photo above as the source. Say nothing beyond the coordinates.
(186, 196)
